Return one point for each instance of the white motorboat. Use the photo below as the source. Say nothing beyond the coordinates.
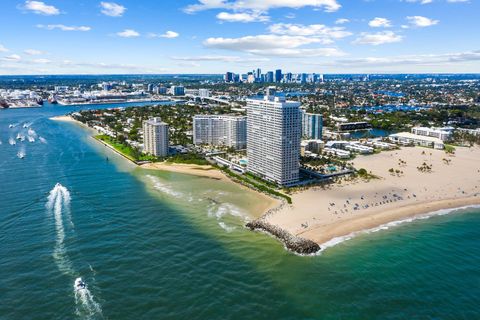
(79, 284)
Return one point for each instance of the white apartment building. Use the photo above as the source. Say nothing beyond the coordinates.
(220, 130)
(203, 93)
(155, 137)
(273, 139)
(443, 134)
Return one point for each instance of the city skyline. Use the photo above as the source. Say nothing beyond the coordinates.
(322, 36)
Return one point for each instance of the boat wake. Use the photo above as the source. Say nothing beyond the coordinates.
(86, 306)
(58, 205)
(335, 241)
(58, 202)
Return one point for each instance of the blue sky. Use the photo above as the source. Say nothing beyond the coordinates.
(214, 36)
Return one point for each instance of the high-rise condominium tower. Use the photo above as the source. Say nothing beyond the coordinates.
(155, 137)
(273, 139)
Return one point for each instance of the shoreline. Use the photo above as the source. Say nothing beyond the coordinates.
(203, 171)
(304, 222)
(325, 235)
(345, 209)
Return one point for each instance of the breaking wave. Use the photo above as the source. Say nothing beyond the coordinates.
(157, 185)
(337, 240)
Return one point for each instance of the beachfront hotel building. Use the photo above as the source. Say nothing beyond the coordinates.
(220, 130)
(407, 138)
(273, 138)
(443, 134)
(155, 137)
(312, 125)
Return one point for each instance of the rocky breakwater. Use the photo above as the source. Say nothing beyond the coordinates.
(295, 244)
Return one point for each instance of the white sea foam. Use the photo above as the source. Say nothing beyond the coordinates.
(86, 306)
(222, 210)
(225, 227)
(31, 133)
(42, 140)
(158, 185)
(337, 240)
(58, 202)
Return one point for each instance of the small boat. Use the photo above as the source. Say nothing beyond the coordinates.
(21, 155)
(19, 136)
(11, 126)
(79, 284)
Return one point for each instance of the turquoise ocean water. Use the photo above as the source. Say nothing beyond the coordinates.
(153, 245)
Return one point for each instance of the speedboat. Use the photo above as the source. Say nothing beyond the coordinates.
(79, 284)
(19, 136)
(11, 126)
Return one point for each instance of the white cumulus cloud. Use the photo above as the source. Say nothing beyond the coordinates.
(169, 34)
(12, 57)
(273, 45)
(3, 49)
(420, 1)
(112, 9)
(264, 5)
(42, 61)
(320, 32)
(342, 21)
(216, 58)
(378, 38)
(40, 7)
(63, 27)
(33, 52)
(128, 33)
(422, 22)
(244, 17)
(380, 22)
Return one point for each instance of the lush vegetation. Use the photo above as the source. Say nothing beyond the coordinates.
(257, 186)
(126, 123)
(364, 174)
(188, 158)
(464, 138)
(125, 149)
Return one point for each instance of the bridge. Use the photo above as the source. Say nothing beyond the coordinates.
(215, 99)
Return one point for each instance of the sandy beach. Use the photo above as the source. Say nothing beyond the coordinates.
(341, 209)
(193, 169)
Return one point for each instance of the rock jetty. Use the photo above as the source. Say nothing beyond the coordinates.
(295, 244)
